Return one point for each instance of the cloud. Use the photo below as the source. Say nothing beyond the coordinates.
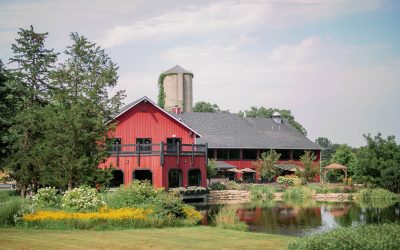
(231, 16)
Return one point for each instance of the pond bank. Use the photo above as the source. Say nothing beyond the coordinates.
(244, 196)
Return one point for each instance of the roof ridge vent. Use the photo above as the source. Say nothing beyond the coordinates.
(276, 116)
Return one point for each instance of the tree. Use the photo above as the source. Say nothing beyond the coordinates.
(211, 169)
(206, 107)
(76, 126)
(345, 156)
(30, 79)
(263, 112)
(328, 150)
(311, 168)
(378, 162)
(265, 164)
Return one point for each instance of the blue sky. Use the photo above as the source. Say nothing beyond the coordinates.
(334, 64)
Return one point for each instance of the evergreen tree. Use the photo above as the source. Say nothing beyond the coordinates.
(33, 64)
(76, 125)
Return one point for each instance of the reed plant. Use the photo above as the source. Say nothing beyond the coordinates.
(227, 218)
(10, 209)
(262, 192)
(301, 193)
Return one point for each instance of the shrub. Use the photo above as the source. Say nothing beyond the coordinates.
(262, 192)
(217, 186)
(290, 180)
(82, 199)
(384, 236)
(298, 193)
(46, 197)
(226, 218)
(9, 210)
(369, 194)
(232, 185)
(6, 195)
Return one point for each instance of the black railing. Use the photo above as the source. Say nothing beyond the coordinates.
(162, 149)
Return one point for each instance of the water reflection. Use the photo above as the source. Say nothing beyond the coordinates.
(306, 218)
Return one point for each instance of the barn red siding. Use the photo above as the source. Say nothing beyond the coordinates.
(146, 121)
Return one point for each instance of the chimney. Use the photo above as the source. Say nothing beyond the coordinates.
(177, 110)
(276, 116)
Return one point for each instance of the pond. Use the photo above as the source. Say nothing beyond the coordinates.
(303, 219)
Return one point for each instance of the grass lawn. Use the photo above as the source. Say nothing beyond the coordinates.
(200, 237)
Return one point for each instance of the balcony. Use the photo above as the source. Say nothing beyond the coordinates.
(162, 149)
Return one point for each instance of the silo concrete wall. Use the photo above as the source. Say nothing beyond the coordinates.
(171, 91)
(180, 90)
(188, 92)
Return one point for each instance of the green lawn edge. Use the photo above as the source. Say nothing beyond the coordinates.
(200, 237)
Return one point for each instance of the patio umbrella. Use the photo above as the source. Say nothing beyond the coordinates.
(248, 170)
(235, 170)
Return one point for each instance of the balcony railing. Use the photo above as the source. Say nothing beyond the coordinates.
(140, 150)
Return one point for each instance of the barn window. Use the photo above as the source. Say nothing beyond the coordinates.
(194, 177)
(285, 154)
(172, 144)
(249, 154)
(228, 154)
(175, 178)
(113, 144)
(145, 145)
(297, 154)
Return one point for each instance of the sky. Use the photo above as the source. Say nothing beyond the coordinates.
(334, 64)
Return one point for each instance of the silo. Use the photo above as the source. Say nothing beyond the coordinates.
(178, 89)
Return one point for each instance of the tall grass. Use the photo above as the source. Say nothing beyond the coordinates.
(373, 237)
(298, 193)
(262, 192)
(9, 209)
(227, 218)
(6, 195)
(370, 194)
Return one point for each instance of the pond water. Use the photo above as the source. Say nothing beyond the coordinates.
(307, 218)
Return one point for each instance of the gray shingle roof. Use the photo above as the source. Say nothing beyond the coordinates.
(225, 130)
(177, 69)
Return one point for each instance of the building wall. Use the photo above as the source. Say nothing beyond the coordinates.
(146, 121)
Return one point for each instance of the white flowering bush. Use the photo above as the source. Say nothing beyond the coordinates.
(46, 198)
(82, 199)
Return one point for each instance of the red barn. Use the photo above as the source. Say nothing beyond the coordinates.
(151, 144)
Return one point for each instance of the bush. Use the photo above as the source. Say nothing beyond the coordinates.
(290, 180)
(9, 210)
(226, 218)
(384, 236)
(217, 186)
(262, 192)
(369, 194)
(82, 199)
(232, 185)
(46, 198)
(6, 195)
(298, 193)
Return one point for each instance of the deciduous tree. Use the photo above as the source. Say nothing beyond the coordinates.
(265, 164)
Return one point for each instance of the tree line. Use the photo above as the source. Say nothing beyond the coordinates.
(377, 164)
(54, 112)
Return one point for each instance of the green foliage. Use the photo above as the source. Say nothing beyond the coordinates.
(46, 198)
(301, 193)
(217, 186)
(212, 170)
(143, 195)
(6, 195)
(263, 112)
(30, 81)
(345, 156)
(373, 237)
(289, 180)
(368, 194)
(161, 92)
(206, 107)
(262, 192)
(311, 169)
(9, 210)
(82, 199)
(265, 164)
(226, 218)
(379, 163)
(328, 150)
